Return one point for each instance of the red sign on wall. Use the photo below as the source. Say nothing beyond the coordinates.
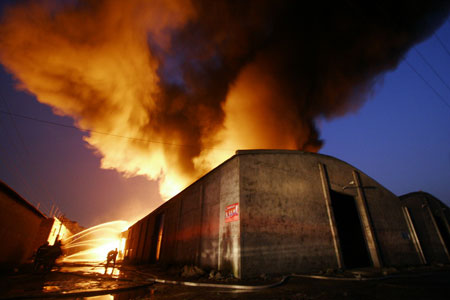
(232, 213)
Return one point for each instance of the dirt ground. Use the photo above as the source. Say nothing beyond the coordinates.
(91, 282)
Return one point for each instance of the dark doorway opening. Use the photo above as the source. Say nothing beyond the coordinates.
(443, 231)
(351, 237)
(157, 238)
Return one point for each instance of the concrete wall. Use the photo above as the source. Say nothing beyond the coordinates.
(229, 232)
(431, 224)
(285, 225)
(19, 227)
(194, 229)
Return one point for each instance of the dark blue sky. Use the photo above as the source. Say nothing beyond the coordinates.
(400, 137)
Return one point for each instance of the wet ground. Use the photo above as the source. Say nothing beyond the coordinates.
(90, 282)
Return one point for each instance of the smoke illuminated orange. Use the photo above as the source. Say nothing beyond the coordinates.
(94, 65)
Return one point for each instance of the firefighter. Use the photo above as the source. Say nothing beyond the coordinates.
(39, 255)
(111, 257)
(46, 256)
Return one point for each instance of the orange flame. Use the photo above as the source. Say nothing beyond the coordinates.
(93, 63)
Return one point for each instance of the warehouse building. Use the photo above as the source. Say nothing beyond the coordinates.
(429, 219)
(277, 211)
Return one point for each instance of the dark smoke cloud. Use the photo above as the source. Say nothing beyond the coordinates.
(323, 57)
(237, 73)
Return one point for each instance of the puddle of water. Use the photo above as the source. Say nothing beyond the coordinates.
(102, 297)
(128, 295)
(50, 288)
(97, 269)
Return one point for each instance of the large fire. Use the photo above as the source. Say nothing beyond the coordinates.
(170, 88)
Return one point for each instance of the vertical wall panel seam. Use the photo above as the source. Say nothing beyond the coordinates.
(369, 231)
(145, 239)
(177, 232)
(199, 244)
(332, 221)
(136, 251)
(219, 256)
(240, 217)
(413, 233)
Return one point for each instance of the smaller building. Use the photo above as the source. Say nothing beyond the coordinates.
(23, 228)
(428, 219)
(51, 230)
(19, 228)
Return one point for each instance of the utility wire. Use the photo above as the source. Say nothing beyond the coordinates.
(386, 16)
(427, 83)
(442, 44)
(107, 133)
(14, 125)
(432, 68)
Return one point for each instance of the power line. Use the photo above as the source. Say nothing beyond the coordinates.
(432, 68)
(14, 125)
(442, 44)
(386, 16)
(428, 84)
(107, 133)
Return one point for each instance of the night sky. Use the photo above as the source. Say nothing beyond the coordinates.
(400, 137)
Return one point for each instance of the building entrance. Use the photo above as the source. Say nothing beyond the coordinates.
(351, 237)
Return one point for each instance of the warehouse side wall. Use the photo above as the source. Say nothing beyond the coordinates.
(189, 229)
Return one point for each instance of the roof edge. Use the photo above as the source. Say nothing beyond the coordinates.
(285, 151)
(418, 193)
(19, 199)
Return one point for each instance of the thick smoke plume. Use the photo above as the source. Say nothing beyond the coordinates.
(202, 78)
